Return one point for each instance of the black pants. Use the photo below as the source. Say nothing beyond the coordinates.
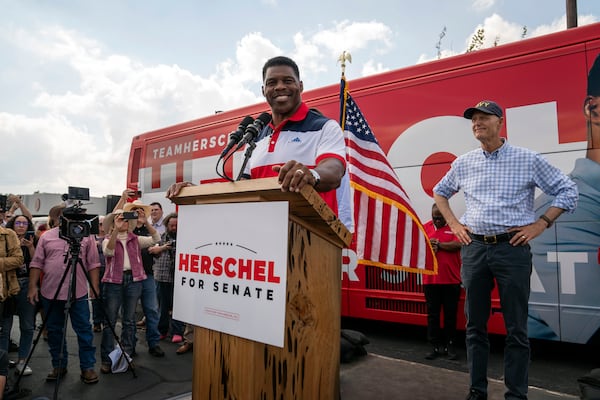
(3, 363)
(438, 296)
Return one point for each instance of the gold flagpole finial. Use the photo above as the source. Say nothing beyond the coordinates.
(345, 56)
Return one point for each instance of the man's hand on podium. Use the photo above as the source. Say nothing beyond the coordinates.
(175, 188)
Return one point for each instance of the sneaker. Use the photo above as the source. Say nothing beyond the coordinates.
(163, 336)
(177, 339)
(141, 323)
(23, 369)
(55, 374)
(476, 395)
(435, 353)
(89, 376)
(156, 351)
(105, 368)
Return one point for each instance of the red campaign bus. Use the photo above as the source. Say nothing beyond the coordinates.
(416, 115)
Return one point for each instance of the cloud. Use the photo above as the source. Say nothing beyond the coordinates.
(49, 153)
(354, 36)
(371, 67)
(250, 54)
(444, 53)
(482, 5)
(561, 24)
(78, 125)
(86, 131)
(315, 52)
(498, 30)
(84, 128)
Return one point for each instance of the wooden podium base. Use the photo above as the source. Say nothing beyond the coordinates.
(307, 367)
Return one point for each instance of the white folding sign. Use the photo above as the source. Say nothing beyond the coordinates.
(231, 268)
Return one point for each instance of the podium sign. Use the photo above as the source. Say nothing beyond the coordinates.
(231, 269)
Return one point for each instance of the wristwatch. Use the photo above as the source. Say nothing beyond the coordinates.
(316, 175)
(548, 220)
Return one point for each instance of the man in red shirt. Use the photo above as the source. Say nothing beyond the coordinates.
(300, 146)
(442, 290)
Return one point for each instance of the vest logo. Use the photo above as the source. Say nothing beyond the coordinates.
(296, 140)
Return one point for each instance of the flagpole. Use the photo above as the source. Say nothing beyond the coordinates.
(345, 56)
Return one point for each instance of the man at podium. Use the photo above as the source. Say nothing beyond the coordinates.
(300, 145)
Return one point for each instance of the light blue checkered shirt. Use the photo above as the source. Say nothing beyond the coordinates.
(499, 187)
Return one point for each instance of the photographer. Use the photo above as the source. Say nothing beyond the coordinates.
(164, 275)
(149, 297)
(123, 278)
(49, 259)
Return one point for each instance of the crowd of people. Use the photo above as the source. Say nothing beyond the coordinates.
(118, 266)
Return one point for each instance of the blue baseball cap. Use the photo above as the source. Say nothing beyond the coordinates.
(485, 106)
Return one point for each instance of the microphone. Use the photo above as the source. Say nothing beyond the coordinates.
(254, 129)
(236, 136)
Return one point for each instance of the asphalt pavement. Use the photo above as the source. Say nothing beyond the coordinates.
(155, 378)
(374, 376)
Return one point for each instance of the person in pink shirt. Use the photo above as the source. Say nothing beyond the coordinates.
(442, 290)
(49, 259)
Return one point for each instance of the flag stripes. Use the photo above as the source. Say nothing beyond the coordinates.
(388, 233)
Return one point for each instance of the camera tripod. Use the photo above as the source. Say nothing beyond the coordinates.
(72, 261)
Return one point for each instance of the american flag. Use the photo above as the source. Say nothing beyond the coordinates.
(388, 233)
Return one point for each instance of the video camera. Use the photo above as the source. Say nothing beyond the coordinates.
(75, 224)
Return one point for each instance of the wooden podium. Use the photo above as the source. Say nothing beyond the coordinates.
(307, 367)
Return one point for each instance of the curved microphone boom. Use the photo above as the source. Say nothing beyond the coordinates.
(236, 136)
(254, 129)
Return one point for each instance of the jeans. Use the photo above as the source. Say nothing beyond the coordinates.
(123, 295)
(440, 296)
(80, 321)
(150, 307)
(26, 313)
(511, 267)
(166, 307)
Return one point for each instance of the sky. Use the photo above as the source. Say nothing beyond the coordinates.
(80, 78)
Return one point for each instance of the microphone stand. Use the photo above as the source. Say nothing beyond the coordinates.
(249, 149)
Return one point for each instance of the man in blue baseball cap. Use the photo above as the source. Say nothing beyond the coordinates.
(498, 181)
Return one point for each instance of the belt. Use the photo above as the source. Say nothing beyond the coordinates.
(493, 239)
